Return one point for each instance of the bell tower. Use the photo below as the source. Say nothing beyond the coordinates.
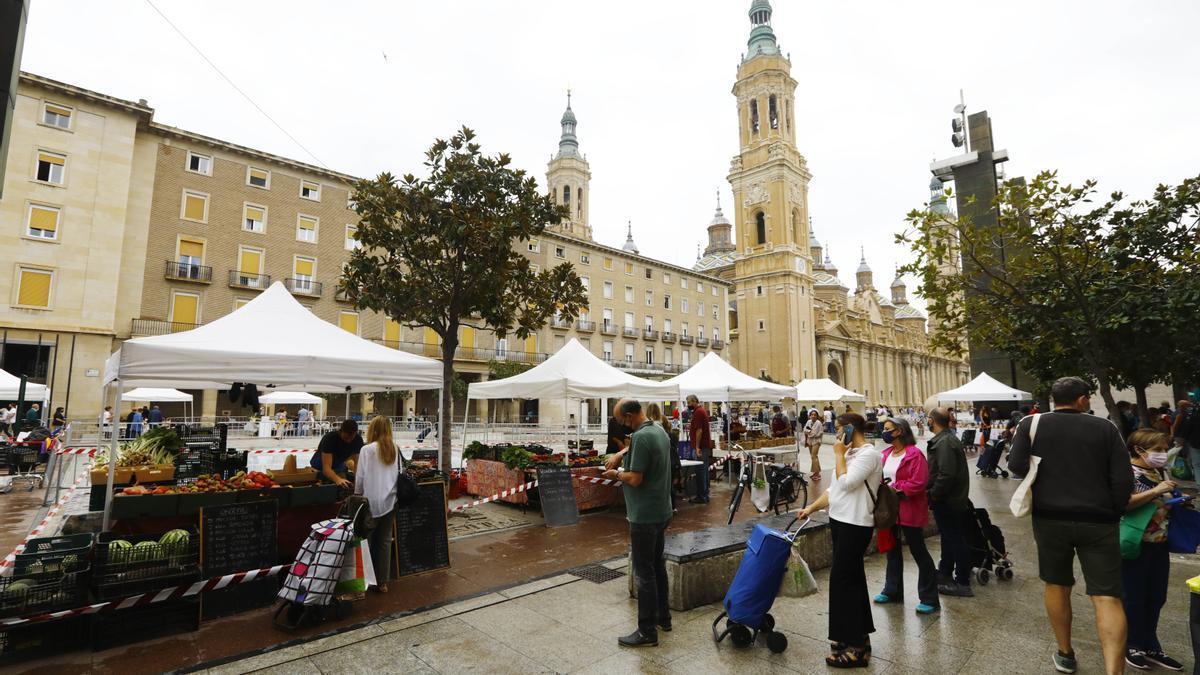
(770, 179)
(568, 175)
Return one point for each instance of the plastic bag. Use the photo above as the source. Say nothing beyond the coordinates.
(798, 581)
(760, 496)
(358, 573)
(1181, 469)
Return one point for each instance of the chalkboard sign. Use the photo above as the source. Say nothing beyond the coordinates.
(238, 537)
(556, 492)
(430, 456)
(421, 536)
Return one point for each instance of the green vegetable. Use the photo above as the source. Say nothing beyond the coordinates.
(517, 458)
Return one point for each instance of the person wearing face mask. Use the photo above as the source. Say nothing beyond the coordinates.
(905, 466)
(1146, 576)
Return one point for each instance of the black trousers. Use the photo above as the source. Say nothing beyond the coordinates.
(646, 541)
(1145, 580)
(850, 619)
(926, 572)
(956, 557)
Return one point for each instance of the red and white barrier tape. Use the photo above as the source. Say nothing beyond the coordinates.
(183, 591)
(272, 451)
(498, 495)
(90, 452)
(37, 531)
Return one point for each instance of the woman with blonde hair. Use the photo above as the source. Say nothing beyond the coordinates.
(375, 479)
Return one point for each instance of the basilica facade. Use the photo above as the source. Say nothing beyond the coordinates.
(792, 318)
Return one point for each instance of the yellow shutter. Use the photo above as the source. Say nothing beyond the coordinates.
(57, 110)
(255, 213)
(239, 303)
(51, 159)
(259, 174)
(628, 268)
(468, 338)
(191, 249)
(43, 218)
(183, 308)
(193, 207)
(531, 344)
(34, 289)
(391, 331)
(251, 261)
(348, 322)
(431, 343)
(304, 268)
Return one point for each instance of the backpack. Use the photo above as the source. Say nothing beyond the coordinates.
(885, 505)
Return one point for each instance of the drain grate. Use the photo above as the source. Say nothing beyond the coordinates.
(595, 573)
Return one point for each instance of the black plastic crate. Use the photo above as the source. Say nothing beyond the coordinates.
(195, 463)
(144, 506)
(240, 598)
(64, 553)
(47, 638)
(21, 595)
(137, 624)
(121, 572)
(96, 499)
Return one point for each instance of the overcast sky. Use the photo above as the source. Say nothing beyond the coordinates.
(1099, 89)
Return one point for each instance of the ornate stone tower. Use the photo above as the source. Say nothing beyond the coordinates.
(770, 179)
(568, 176)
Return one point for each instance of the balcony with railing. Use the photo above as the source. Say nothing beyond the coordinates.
(631, 332)
(701, 341)
(585, 326)
(608, 328)
(434, 350)
(238, 279)
(718, 344)
(148, 327)
(304, 287)
(178, 271)
(560, 323)
(668, 337)
(649, 334)
(686, 339)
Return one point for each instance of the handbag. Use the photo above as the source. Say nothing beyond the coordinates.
(1133, 527)
(885, 505)
(407, 491)
(1022, 500)
(1183, 530)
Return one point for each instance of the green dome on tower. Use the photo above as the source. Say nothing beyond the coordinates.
(762, 37)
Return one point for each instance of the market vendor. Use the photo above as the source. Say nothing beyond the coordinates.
(335, 448)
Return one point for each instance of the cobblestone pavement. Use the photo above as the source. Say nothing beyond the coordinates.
(567, 625)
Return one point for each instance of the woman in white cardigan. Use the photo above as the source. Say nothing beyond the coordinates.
(375, 478)
(850, 500)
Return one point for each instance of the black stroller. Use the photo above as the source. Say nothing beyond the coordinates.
(988, 465)
(989, 557)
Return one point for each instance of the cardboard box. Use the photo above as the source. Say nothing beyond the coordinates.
(155, 473)
(121, 476)
(301, 477)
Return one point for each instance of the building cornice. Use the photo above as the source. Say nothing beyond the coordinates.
(131, 107)
(621, 253)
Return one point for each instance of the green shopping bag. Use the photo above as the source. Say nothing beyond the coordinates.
(1133, 526)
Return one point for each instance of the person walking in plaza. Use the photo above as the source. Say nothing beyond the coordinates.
(154, 416)
(375, 478)
(949, 487)
(905, 466)
(646, 478)
(700, 435)
(814, 430)
(1083, 485)
(59, 419)
(302, 417)
(779, 423)
(858, 470)
(1145, 577)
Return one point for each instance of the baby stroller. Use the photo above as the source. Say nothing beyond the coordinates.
(988, 465)
(308, 591)
(754, 587)
(986, 542)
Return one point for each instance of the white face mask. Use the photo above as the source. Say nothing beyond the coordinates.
(1154, 460)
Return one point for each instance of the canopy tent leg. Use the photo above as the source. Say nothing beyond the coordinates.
(463, 447)
(566, 430)
(115, 385)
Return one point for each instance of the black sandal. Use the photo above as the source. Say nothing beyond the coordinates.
(852, 657)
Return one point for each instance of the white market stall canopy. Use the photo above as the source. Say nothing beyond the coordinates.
(713, 379)
(156, 395)
(281, 397)
(983, 388)
(10, 386)
(825, 389)
(270, 341)
(573, 372)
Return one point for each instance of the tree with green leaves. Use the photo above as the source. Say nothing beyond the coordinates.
(1062, 283)
(439, 252)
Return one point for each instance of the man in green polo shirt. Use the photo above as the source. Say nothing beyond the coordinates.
(646, 478)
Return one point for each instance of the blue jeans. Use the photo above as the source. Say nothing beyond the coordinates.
(702, 471)
(1145, 581)
(956, 557)
(646, 542)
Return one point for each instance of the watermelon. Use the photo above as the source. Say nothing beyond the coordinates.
(70, 563)
(146, 550)
(119, 550)
(175, 542)
(18, 589)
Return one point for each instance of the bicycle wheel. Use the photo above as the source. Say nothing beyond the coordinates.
(735, 501)
(802, 493)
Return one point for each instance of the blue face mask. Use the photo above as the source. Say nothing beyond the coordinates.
(888, 436)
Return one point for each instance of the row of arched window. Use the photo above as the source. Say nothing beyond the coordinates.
(760, 227)
(772, 114)
(566, 199)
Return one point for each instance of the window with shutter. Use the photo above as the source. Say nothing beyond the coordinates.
(50, 167)
(33, 287)
(254, 218)
(56, 116)
(195, 206)
(185, 309)
(348, 321)
(391, 333)
(259, 178)
(43, 221)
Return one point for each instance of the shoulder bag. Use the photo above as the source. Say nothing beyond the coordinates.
(1022, 500)
(407, 491)
(885, 505)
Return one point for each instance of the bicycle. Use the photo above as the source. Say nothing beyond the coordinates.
(786, 484)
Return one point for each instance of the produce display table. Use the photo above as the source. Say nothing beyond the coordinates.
(589, 495)
(486, 478)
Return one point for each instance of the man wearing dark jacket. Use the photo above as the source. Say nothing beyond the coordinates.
(949, 484)
(1083, 484)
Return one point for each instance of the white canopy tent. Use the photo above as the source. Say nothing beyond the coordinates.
(153, 395)
(983, 388)
(271, 341)
(714, 379)
(824, 389)
(10, 386)
(283, 397)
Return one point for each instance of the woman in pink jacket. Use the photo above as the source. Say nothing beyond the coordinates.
(905, 465)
